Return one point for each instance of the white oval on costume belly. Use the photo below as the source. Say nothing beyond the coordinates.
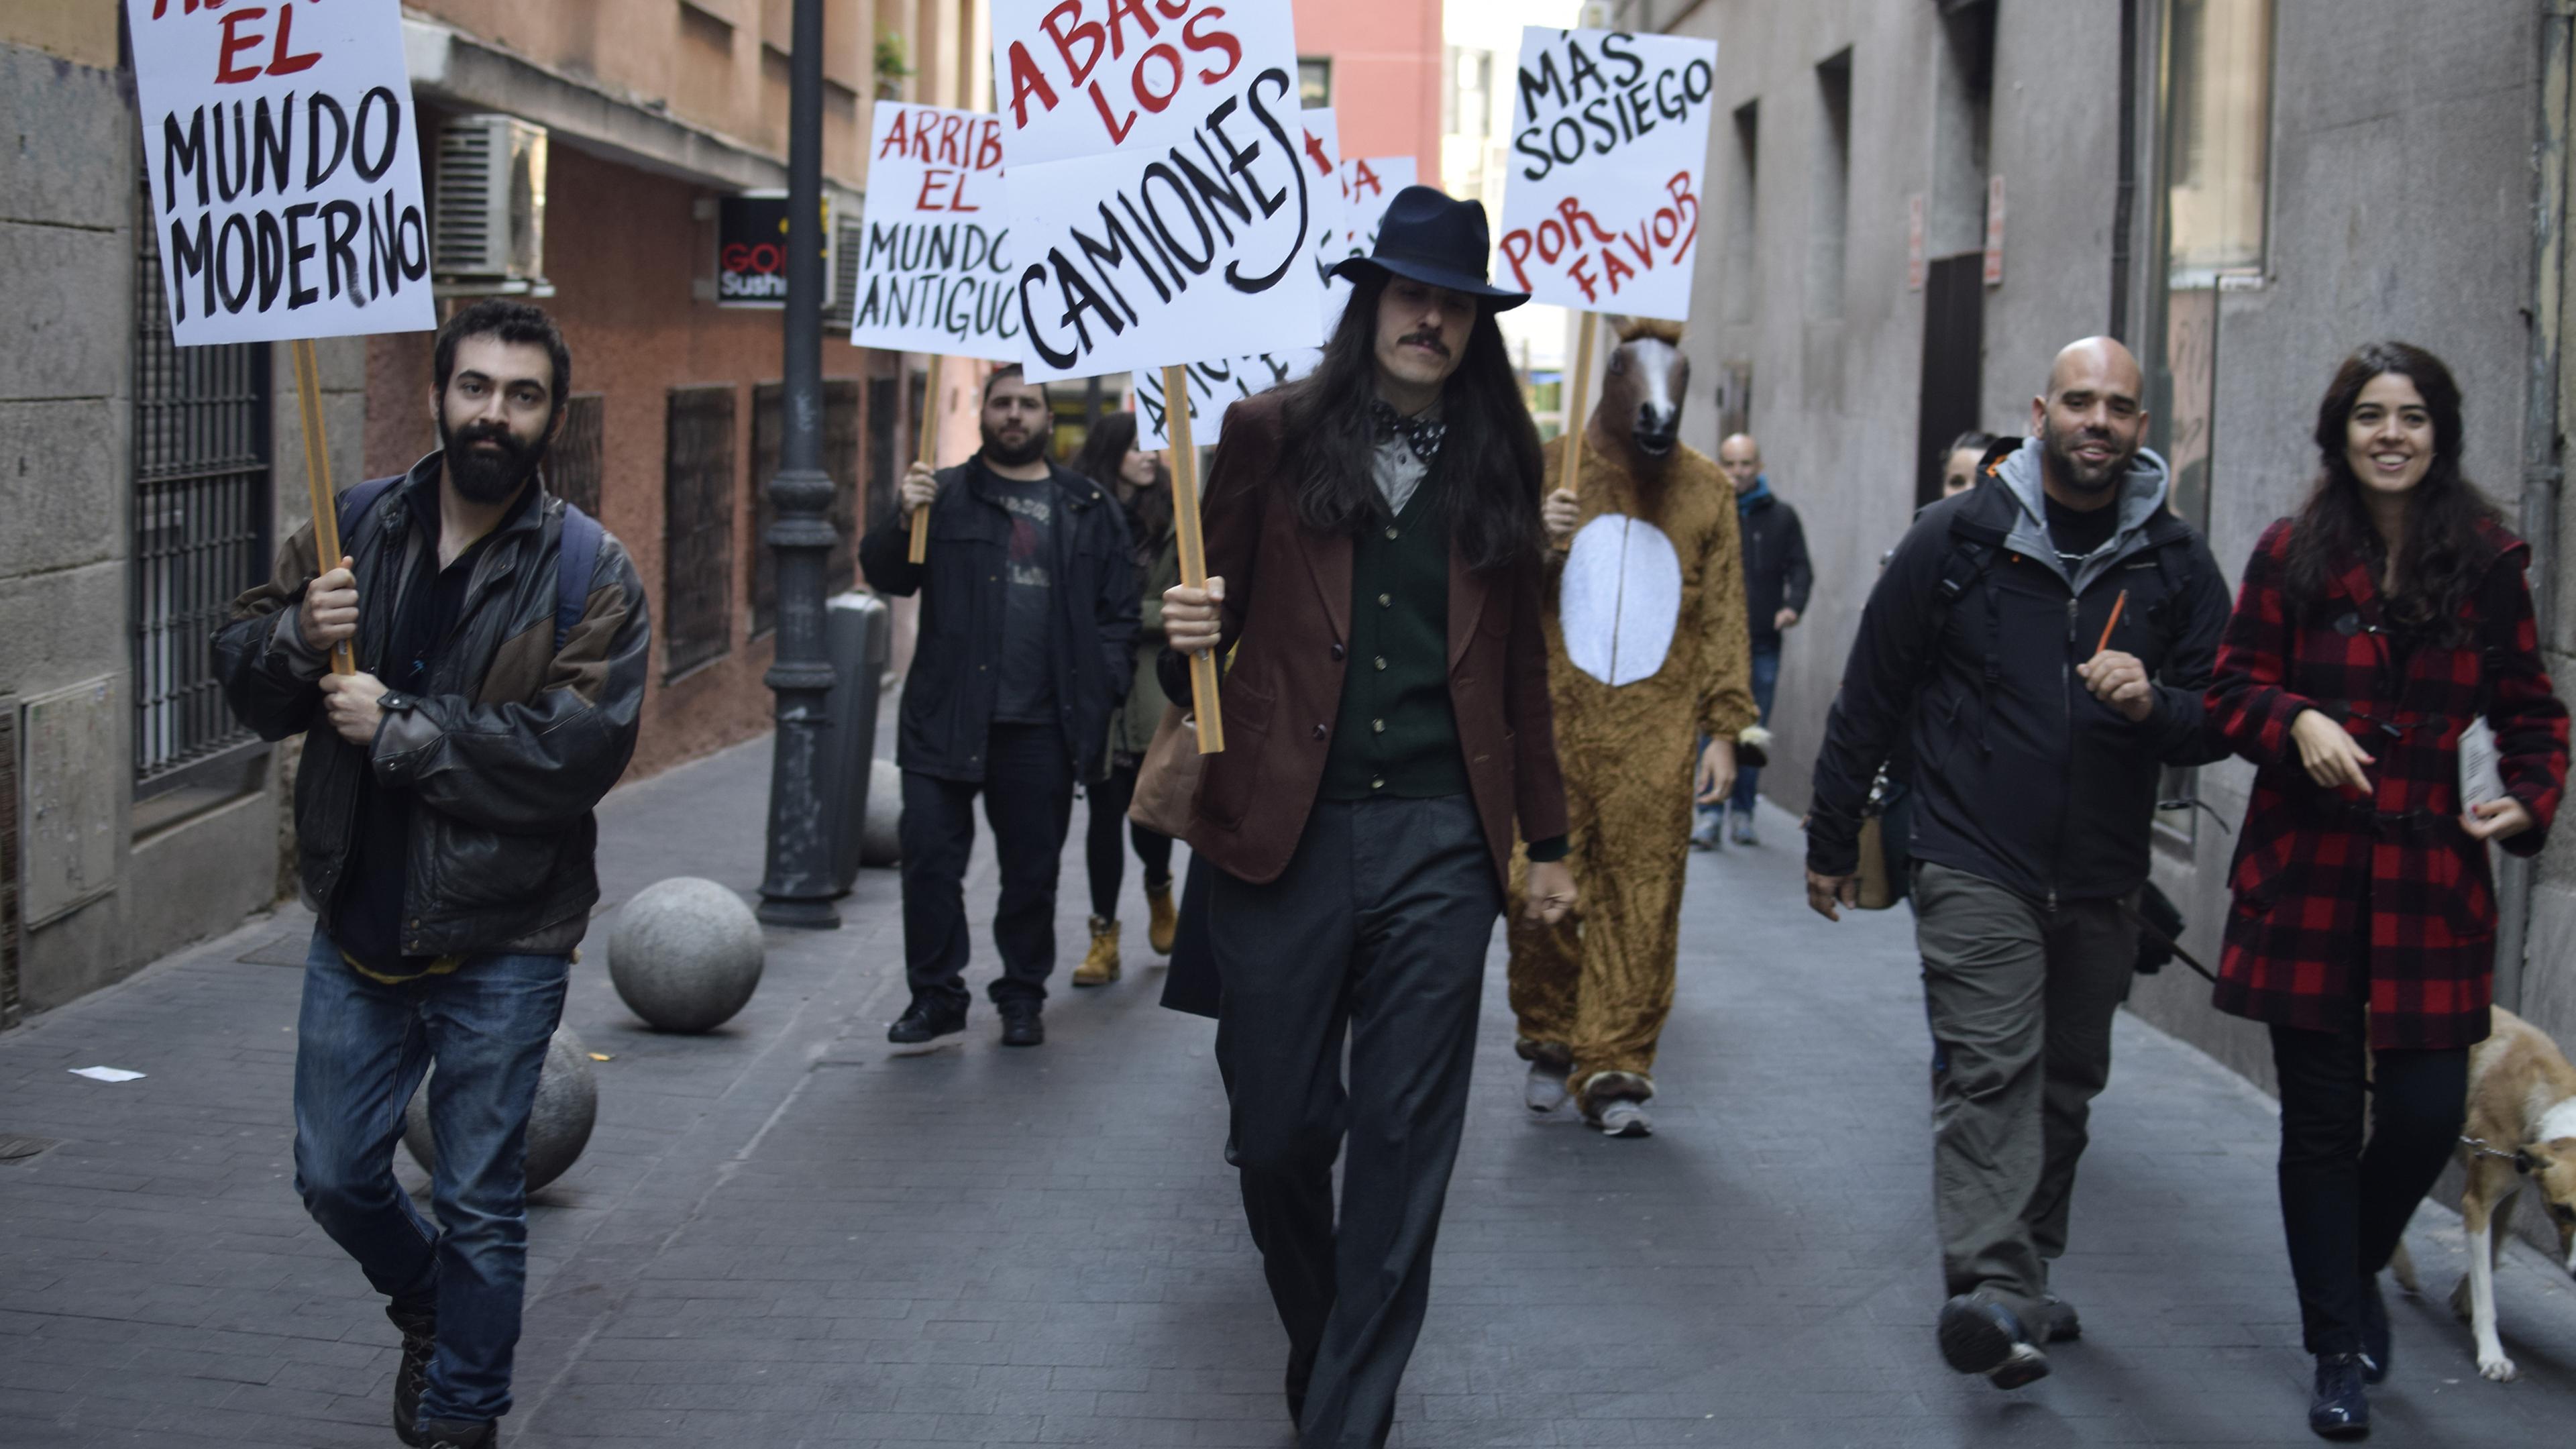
(1619, 599)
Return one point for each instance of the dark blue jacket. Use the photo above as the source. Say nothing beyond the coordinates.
(948, 697)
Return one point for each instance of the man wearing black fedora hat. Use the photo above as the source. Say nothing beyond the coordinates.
(1373, 550)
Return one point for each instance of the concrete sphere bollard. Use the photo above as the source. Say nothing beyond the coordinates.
(685, 954)
(881, 839)
(559, 1123)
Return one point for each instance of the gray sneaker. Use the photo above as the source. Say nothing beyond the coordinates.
(1546, 1089)
(1741, 827)
(1620, 1117)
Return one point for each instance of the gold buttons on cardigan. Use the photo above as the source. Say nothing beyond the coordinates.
(1379, 783)
(1378, 725)
(1381, 661)
(1390, 532)
(1385, 600)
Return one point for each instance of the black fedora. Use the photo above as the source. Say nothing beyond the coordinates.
(1432, 238)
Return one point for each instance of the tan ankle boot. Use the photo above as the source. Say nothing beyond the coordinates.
(1100, 964)
(1163, 923)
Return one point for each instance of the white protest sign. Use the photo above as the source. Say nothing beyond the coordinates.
(1214, 387)
(1367, 184)
(1081, 77)
(1609, 145)
(1217, 383)
(934, 256)
(286, 185)
(1160, 196)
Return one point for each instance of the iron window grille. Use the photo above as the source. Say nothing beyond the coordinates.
(201, 526)
(840, 459)
(697, 528)
(573, 460)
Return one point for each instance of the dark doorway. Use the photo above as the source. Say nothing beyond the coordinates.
(1953, 352)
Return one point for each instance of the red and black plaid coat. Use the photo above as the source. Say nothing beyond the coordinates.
(2330, 887)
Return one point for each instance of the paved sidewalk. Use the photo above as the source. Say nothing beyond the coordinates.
(787, 1233)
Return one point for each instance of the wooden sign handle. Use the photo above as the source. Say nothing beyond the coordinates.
(1193, 549)
(317, 480)
(1578, 404)
(929, 455)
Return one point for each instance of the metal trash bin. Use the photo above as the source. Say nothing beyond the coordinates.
(858, 637)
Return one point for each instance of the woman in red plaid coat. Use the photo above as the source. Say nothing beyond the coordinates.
(2371, 629)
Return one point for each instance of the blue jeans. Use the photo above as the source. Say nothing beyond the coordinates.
(361, 1048)
(1748, 778)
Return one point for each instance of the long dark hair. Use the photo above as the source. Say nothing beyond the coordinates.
(2445, 552)
(1489, 469)
(1101, 459)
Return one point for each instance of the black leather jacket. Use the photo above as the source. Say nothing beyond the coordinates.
(505, 753)
(948, 697)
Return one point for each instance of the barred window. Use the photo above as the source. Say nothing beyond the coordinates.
(840, 460)
(572, 463)
(697, 528)
(884, 412)
(201, 531)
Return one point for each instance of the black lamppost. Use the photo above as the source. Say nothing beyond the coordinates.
(796, 887)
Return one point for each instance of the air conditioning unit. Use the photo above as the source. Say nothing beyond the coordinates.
(489, 235)
(843, 299)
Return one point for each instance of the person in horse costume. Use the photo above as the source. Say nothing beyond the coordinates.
(1647, 653)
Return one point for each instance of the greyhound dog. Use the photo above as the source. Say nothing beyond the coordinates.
(2521, 1129)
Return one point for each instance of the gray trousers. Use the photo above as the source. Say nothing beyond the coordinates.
(2020, 998)
(1377, 931)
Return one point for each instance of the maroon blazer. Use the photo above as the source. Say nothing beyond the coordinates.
(1287, 618)
(2329, 885)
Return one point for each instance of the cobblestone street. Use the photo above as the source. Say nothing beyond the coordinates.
(786, 1233)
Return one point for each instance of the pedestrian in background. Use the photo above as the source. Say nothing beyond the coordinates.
(2372, 628)
(1963, 460)
(1137, 479)
(1028, 629)
(2043, 640)
(444, 838)
(1387, 730)
(1777, 579)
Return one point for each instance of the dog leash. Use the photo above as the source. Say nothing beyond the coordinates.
(2143, 924)
(2480, 1148)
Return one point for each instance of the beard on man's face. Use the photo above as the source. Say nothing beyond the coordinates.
(2075, 472)
(488, 474)
(1020, 448)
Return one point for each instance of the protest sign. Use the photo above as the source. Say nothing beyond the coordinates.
(1216, 384)
(1159, 192)
(1609, 147)
(1364, 185)
(1367, 184)
(934, 262)
(286, 184)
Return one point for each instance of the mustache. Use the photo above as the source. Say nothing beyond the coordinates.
(1428, 339)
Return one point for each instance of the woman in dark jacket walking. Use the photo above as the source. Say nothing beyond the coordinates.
(2371, 630)
(1109, 457)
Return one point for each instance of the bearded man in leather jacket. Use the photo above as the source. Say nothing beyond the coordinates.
(444, 837)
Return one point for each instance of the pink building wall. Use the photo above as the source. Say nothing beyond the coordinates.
(1386, 74)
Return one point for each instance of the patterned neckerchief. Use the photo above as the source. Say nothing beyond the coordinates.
(1423, 433)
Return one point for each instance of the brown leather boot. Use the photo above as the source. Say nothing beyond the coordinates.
(1100, 964)
(1163, 923)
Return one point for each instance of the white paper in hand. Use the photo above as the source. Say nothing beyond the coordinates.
(2481, 775)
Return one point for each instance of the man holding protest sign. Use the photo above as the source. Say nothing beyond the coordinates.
(1028, 620)
(444, 832)
(1379, 523)
(1645, 597)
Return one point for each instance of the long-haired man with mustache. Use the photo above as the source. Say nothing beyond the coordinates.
(1373, 546)
(1028, 617)
(444, 837)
